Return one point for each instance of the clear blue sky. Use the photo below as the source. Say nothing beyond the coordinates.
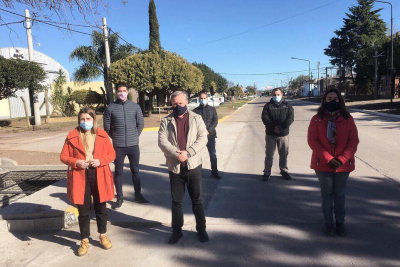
(185, 27)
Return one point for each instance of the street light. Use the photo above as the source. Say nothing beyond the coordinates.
(391, 52)
(309, 72)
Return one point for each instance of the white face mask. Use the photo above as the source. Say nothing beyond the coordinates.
(277, 98)
(122, 96)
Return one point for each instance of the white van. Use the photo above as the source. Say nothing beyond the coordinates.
(194, 103)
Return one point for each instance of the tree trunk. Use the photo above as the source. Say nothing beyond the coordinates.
(151, 97)
(26, 111)
(161, 99)
(109, 89)
(46, 101)
(141, 101)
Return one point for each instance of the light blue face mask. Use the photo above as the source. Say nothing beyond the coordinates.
(86, 125)
(203, 102)
(277, 98)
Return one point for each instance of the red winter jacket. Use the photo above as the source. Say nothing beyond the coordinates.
(344, 150)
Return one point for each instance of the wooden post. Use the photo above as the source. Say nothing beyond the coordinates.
(26, 111)
(46, 101)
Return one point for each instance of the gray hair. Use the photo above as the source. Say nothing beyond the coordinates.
(176, 93)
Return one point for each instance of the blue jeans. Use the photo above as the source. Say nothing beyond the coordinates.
(333, 186)
(133, 154)
(213, 154)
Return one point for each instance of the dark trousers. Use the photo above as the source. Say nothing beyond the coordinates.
(193, 180)
(333, 186)
(100, 209)
(213, 154)
(133, 154)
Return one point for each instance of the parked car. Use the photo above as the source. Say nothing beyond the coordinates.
(194, 103)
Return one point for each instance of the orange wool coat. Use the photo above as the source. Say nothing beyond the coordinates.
(74, 150)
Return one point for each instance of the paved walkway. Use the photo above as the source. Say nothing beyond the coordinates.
(251, 223)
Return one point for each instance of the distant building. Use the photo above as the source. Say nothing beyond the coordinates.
(13, 107)
(385, 89)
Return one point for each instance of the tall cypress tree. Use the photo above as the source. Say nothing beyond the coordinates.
(155, 44)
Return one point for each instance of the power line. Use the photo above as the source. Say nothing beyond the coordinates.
(119, 36)
(5, 24)
(264, 74)
(64, 28)
(260, 27)
(52, 23)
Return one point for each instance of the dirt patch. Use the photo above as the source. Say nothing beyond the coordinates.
(31, 157)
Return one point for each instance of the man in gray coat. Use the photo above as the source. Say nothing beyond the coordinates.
(181, 137)
(123, 121)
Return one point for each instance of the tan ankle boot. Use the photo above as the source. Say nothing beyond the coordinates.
(83, 249)
(105, 242)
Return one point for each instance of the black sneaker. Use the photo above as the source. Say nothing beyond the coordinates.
(265, 177)
(140, 199)
(286, 175)
(340, 229)
(118, 204)
(175, 237)
(216, 175)
(203, 236)
(329, 229)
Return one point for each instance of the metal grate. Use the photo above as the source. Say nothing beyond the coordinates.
(15, 185)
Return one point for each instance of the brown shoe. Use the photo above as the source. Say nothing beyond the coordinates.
(105, 242)
(83, 249)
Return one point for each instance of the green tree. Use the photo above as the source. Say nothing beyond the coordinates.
(60, 99)
(93, 59)
(155, 44)
(153, 72)
(237, 90)
(297, 83)
(19, 74)
(251, 89)
(354, 44)
(211, 76)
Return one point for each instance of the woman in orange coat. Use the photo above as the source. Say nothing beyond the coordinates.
(87, 152)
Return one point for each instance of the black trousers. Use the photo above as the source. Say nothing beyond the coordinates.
(133, 154)
(191, 178)
(100, 209)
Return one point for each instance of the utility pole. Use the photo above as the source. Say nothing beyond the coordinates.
(376, 73)
(108, 63)
(391, 53)
(318, 83)
(326, 76)
(36, 109)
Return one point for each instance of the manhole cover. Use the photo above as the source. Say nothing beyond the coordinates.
(15, 185)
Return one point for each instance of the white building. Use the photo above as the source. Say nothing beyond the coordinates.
(13, 107)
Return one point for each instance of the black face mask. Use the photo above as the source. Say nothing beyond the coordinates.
(178, 110)
(332, 106)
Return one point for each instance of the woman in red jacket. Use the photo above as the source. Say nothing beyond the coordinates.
(333, 138)
(87, 152)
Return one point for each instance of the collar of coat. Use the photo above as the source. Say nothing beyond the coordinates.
(339, 119)
(170, 117)
(73, 137)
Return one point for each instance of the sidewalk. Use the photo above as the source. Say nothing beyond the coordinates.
(27, 214)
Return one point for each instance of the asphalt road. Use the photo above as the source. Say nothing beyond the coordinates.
(250, 222)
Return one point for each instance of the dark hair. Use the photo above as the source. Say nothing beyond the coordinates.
(202, 93)
(342, 105)
(120, 84)
(276, 89)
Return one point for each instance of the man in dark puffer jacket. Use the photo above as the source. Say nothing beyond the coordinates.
(277, 117)
(123, 121)
(210, 118)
